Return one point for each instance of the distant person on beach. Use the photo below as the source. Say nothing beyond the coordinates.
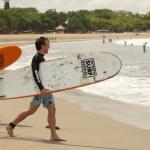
(45, 98)
(144, 47)
(104, 39)
(125, 43)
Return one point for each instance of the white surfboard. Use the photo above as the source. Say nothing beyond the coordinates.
(61, 74)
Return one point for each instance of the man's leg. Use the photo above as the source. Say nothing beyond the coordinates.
(52, 122)
(32, 109)
(56, 127)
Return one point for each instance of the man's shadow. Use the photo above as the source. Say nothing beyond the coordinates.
(45, 141)
(21, 126)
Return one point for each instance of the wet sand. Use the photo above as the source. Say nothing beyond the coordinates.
(82, 129)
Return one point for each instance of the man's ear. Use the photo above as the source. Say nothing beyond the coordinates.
(42, 46)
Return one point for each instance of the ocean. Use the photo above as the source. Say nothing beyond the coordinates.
(131, 85)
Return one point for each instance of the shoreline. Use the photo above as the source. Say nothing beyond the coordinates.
(111, 102)
(135, 115)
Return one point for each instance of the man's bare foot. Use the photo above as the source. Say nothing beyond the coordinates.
(10, 131)
(57, 128)
(58, 139)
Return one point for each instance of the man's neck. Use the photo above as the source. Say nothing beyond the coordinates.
(41, 53)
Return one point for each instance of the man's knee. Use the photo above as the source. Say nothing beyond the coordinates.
(30, 112)
(54, 108)
(51, 110)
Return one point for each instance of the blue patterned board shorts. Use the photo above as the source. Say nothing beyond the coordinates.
(45, 100)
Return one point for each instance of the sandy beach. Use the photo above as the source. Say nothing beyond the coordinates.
(71, 37)
(82, 129)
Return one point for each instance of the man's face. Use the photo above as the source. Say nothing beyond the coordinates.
(45, 47)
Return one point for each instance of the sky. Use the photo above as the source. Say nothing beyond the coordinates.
(140, 6)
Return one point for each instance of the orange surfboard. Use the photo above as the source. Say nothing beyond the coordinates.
(8, 55)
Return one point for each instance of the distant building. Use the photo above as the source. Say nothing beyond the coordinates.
(6, 4)
(60, 29)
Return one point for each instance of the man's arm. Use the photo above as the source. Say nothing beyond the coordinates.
(35, 71)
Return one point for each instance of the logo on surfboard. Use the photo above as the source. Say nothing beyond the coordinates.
(88, 68)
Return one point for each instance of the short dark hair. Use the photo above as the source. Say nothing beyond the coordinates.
(39, 42)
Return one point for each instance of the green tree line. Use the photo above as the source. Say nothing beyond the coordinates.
(18, 20)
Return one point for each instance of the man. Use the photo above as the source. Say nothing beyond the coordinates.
(42, 46)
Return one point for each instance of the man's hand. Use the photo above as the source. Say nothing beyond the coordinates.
(44, 92)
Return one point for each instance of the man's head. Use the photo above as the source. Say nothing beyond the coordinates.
(42, 45)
